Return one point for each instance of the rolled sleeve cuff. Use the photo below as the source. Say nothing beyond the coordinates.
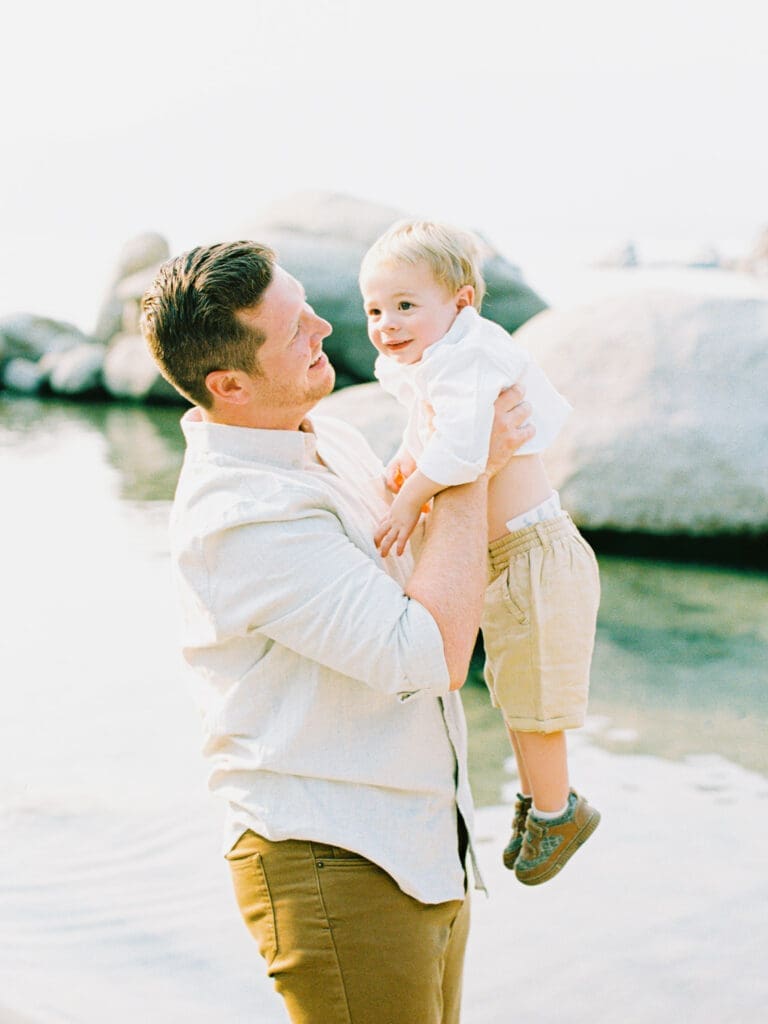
(426, 671)
(446, 468)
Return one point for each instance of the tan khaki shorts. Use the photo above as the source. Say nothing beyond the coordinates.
(539, 625)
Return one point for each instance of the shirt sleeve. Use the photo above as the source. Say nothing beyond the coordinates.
(303, 584)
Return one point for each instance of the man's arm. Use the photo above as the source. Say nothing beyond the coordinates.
(451, 573)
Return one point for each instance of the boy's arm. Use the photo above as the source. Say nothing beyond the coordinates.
(399, 522)
(450, 576)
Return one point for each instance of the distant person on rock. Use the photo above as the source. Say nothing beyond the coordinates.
(326, 673)
(422, 290)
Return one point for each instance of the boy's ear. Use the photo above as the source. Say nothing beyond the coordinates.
(465, 296)
(228, 386)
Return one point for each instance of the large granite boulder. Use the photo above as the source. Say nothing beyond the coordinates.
(130, 372)
(670, 429)
(134, 270)
(27, 336)
(377, 415)
(320, 237)
(30, 346)
(23, 376)
(76, 372)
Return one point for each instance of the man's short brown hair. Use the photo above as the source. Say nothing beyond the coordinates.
(189, 314)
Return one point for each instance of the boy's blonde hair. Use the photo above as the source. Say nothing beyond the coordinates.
(453, 255)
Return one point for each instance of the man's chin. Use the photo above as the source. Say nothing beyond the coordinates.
(331, 381)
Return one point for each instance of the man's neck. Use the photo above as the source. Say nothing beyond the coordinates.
(263, 419)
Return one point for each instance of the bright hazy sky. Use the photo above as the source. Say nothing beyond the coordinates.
(541, 123)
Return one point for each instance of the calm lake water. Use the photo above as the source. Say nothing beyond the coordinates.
(114, 902)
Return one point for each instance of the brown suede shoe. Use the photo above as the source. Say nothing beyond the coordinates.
(548, 845)
(512, 849)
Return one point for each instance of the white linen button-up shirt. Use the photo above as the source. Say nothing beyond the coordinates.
(460, 377)
(323, 688)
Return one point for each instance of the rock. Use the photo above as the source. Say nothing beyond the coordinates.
(377, 415)
(137, 262)
(26, 336)
(130, 372)
(23, 376)
(621, 257)
(705, 258)
(139, 252)
(77, 371)
(321, 237)
(322, 214)
(670, 429)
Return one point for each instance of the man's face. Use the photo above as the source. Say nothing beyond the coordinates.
(407, 309)
(293, 371)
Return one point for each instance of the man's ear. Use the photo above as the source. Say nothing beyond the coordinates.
(465, 296)
(230, 387)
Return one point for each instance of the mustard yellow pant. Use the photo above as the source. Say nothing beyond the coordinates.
(343, 943)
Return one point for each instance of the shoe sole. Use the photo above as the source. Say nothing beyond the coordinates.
(578, 840)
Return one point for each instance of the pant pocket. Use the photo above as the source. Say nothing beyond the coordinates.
(515, 591)
(255, 901)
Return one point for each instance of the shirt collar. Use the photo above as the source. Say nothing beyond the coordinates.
(294, 449)
(461, 326)
(465, 320)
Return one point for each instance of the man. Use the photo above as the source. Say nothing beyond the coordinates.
(326, 673)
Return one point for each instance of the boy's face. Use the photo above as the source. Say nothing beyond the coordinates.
(408, 310)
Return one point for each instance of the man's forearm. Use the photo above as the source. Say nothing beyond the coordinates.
(450, 575)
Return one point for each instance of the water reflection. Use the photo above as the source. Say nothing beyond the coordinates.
(142, 443)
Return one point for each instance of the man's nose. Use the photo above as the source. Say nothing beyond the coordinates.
(322, 328)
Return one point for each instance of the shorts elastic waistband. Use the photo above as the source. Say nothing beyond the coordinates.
(501, 551)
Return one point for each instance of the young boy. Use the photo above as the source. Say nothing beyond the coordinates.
(422, 289)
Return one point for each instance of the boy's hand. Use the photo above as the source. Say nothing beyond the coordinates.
(395, 528)
(398, 470)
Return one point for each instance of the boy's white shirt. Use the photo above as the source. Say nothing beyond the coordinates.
(460, 377)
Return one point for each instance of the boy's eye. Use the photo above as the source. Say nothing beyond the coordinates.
(373, 312)
(406, 305)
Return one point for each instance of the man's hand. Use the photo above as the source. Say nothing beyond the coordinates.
(510, 430)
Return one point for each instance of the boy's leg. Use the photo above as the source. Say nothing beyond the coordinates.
(522, 769)
(522, 806)
(545, 756)
(342, 942)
